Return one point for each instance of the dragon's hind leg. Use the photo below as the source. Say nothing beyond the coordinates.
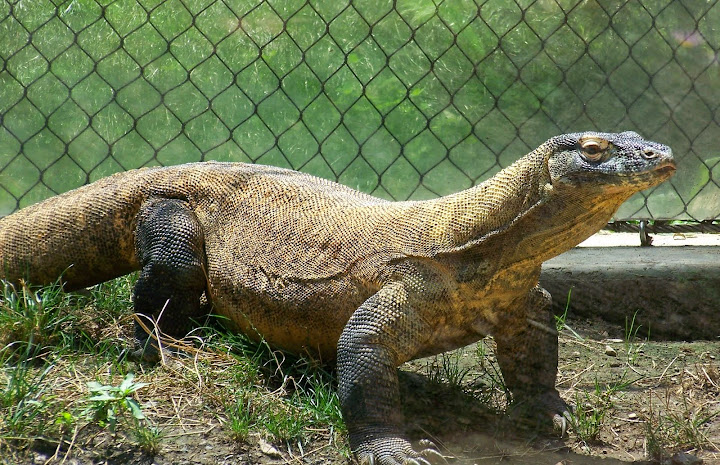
(170, 248)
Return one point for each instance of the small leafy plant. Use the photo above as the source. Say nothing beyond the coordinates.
(108, 403)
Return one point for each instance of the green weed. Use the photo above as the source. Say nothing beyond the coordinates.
(108, 403)
(148, 438)
(632, 349)
(318, 396)
(45, 320)
(303, 402)
(285, 422)
(447, 368)
(561, 320)
(32, 320)
(240, 420)
(114, 297)
(593, 407)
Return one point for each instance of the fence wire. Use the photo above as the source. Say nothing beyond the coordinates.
(405, 99)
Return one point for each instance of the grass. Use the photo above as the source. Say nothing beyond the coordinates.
(632, 349)
(23, 402)
(646, 391)
(681, 422)
(63, 386)
(672, 428)
(30, 321)
(63, 390)
(447, 368)
(594, 407)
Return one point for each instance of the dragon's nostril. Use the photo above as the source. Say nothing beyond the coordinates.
(649, 153)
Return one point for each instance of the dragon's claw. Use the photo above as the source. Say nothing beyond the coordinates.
(398, 451)
(546, 409)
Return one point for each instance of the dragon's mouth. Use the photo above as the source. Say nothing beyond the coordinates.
(656, 175)
(666, 170)
(634, 180)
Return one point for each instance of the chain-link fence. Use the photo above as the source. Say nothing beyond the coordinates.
(405, 99)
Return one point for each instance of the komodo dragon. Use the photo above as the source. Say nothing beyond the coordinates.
(313, 266)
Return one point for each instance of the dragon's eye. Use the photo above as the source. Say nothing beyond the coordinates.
(593, 149)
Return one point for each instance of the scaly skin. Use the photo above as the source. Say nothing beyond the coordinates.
(313, 266)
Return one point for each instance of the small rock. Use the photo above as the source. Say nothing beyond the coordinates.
(576, 354)
(632, 416)
(682, 458)
(609, 351)
(269, 450)
(615, 364)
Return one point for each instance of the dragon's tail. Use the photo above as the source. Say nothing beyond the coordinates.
(85, 235)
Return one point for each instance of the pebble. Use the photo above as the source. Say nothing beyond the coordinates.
(269, 450)
(609, 351)
(632, 416)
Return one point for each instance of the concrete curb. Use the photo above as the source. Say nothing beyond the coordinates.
(674, 290)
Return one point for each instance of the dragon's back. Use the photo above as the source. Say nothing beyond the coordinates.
(284, 223)
(291, 225)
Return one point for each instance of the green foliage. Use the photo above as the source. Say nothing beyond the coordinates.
(632, 349)
(31, 320)
(240, 419)
(148, 437)
(107, 404)
(23, 402)
(311, 404)
(45, 320)
(448, 368)
(673, 426)
(114, 296)
(561, 320)
(592, 408)
(304, 400)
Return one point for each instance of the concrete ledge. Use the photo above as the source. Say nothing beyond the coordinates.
(674, 290)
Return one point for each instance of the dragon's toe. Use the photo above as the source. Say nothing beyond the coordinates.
(546, 409)
(398, 451)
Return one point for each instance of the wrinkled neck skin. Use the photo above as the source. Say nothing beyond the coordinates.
(564, 219)
(519, 216)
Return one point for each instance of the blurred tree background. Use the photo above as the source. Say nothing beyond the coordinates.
(404, 99)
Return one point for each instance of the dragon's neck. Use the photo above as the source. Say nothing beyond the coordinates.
(458, 220)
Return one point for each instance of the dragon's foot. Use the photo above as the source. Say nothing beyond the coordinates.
(397, 451)
(544, 410)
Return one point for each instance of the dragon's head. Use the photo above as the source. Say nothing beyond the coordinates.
(618, 163)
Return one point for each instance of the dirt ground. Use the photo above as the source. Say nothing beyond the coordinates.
(643, 402)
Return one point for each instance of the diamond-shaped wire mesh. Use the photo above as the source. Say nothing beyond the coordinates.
(405, 99)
